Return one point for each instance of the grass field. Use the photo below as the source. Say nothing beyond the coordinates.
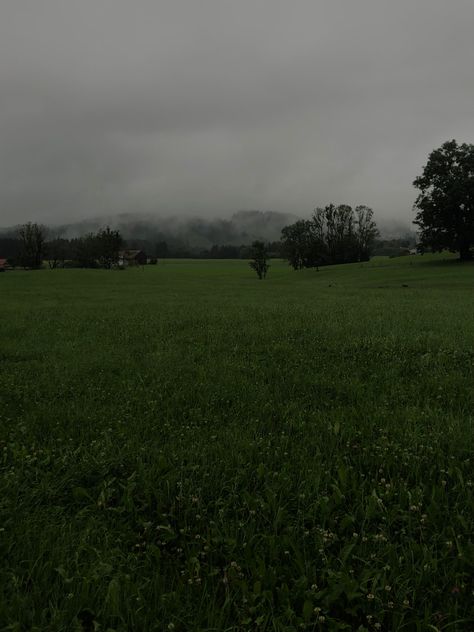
(185, 447)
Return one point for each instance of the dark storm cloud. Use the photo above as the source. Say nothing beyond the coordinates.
(175, 106)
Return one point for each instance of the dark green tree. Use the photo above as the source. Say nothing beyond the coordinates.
(86, 251)
(32, 240)
(334, 234)
(108, 243)
(259, 259)
(56, 250)
(365, 232)
(445, 204)
(299, 244)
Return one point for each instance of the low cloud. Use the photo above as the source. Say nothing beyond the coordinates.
(180, 108)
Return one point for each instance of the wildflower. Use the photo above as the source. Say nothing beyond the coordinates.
(388, 588)
(370, 596)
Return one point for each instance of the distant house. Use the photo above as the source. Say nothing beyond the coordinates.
(3, 265)
(132, 258)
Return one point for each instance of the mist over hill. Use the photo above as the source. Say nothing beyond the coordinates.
(242, 227)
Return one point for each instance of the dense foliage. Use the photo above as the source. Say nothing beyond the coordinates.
(83, 251)
(185, 449)
(446, 201)
(35, 243)
(259, 256)
(31, 237)
(334, 234)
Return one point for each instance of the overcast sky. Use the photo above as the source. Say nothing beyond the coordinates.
(204, 107)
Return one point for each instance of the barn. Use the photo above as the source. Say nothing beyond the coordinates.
(3, 265)
(132, 258)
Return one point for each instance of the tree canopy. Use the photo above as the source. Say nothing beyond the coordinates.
(32, 241)
(334, 234)
(259, 259)
(445, 203)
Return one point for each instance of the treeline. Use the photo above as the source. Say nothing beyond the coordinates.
(165, 250)
(334, 234)
(34, 244)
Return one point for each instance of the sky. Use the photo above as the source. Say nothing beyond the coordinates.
(206, 107)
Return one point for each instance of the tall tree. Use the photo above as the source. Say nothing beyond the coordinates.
(86, 250)
(334, 227)
(334, 234)
(445, 203)
(32, 239)
(365, 232)
(300, 245)
(56, 249)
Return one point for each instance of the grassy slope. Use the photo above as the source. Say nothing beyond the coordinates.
(187, 446)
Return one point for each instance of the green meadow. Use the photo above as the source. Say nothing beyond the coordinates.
(184, 447)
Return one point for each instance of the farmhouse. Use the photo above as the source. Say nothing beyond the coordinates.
(132, 258)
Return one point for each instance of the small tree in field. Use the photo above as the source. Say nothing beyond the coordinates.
(259, 259)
